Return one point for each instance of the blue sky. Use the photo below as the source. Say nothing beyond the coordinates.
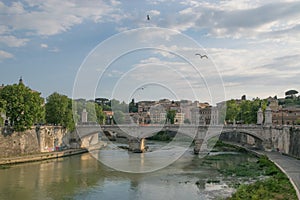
(253, 47)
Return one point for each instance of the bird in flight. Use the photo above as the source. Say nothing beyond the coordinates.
(201, 56)
(148, 17)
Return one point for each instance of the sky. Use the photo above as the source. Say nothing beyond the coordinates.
(98, 48)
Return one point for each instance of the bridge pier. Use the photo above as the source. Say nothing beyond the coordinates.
(137, 145)
(267, 145)
(198, 144)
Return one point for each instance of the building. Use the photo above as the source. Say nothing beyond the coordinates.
(273, 103)
(109, 116)
(179, 118)
(208, 115)
(157, 114)
(286, 116)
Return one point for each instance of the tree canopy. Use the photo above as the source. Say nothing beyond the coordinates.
(94, 110)
(59, 111)
(244, 111)
(23, 106)
(2, 110)
(171, 116)
(291, 94)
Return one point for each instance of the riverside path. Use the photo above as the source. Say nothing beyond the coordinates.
(290, 166)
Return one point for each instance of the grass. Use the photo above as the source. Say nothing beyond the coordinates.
(4, 167)
(274, 185)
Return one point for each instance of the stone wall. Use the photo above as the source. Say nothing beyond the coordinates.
(281, 139)
(52, 137)
(294, 149)
(35, 140)
(18, 143)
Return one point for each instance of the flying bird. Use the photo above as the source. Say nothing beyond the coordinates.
(201, 56)
(148, 17)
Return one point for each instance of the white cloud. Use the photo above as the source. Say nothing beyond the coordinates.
(13, 41)
(154, 12)
(5, 55)
(44, 46)
(49, 17)
(54, 50)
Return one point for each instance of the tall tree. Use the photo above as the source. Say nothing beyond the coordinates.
(24, 107)
(119, 117)
(2, 110)
(100, 114)
(94, 111)
(232, 110)
(59, 111)
(291, 94)
(171, 116)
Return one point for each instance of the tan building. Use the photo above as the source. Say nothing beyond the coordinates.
(273, 103)
(157, 114)
(207, 115)
(179, 118)
(286, 116)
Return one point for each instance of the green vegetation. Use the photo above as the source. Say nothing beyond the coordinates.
(219, 146)
(59, 111)
(277, 186)
(94, 110)
(2, 110)
(244, 111)
(270, 182)
(291, 99)
(133, 107)
(22, 106)
(119, 117)
(291, 94)
(161, 136)
(4, 167)
(171, 116)
(187, 121)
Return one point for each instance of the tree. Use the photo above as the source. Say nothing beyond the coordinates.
(59, 111)
(133, 107)
(100, 114)
(232, 110)
(2, 110)
(171, 116)
(24, 107)
(186, 121)
(291, 94)
(94, 111)
(119, 117)
(116, 105)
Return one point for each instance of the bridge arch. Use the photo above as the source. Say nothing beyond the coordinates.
(245, 132)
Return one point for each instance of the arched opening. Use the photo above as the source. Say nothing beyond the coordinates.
(243, 138)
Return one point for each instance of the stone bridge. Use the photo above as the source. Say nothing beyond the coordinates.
(264, 137)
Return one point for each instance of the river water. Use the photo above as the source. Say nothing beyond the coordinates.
(84, 177)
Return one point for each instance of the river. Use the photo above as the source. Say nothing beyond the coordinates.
(84, 177)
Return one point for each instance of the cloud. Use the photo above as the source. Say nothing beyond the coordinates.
(5, 55)
(154, 12)
(54, 50)
(243, 19)
(44, 46)
(12, 41)
(45, 17)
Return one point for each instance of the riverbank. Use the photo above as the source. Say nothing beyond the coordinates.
(279, 184)
(41, 156)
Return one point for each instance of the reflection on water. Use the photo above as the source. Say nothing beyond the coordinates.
(83, 177)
